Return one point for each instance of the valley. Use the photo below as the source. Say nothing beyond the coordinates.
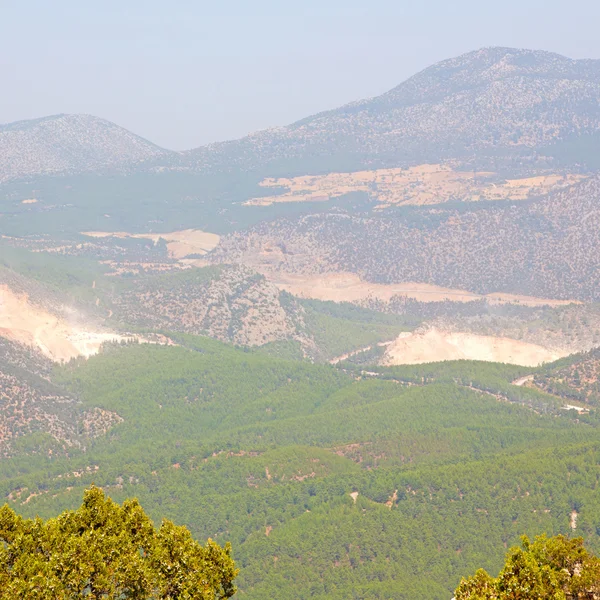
(362, 347)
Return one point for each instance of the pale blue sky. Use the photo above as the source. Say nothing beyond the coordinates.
(185, 73)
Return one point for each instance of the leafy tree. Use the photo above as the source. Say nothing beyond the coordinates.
(104, 550)
(551, 568)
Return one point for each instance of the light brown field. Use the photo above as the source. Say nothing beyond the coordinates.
(435, 345)
(135, 268)
(29, 201)
(349, 287)
(26, 323)
(420, 185)
(179, 243)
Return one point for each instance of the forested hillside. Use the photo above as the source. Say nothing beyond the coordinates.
(38, 417)
(324, 480)
(575, 378)
(222, 333)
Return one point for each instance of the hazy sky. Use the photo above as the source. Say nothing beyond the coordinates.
(185, 73)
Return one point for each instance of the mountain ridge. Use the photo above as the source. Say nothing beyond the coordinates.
(489, 98)
(503, 99)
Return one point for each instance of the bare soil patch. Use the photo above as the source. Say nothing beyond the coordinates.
(419, 185)
(26, 323)
(435, 345)
(349, 287)
(179, 243)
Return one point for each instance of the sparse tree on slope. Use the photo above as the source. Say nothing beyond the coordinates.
(104, 550)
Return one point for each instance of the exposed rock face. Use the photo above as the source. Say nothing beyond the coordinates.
(233, 304)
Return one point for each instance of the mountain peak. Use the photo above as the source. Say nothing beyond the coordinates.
(66, 143)
(483, 67)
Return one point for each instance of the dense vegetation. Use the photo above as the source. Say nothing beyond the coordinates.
(328, 483)
(332, 481)
(556, 568)
(103, 550)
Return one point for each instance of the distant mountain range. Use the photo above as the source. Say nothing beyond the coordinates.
(494, 101)
(503, 105)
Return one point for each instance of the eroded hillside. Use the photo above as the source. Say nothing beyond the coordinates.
(228, 303)
(38, 417)
(545, 249)
(56, 336)
(433, 345)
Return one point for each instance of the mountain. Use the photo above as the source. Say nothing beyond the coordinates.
(547, 248)
(63, 144)
(298, 432)
(494, 102)
(501, 105)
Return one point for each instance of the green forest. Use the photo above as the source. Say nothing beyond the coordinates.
(329, 482)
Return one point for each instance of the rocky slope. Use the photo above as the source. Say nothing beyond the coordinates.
(501, 101)
(500, 105)
(230, 303)
(63, 144)
(549, 248)
(50, 420)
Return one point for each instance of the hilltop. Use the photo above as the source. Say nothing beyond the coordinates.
(511, 108)
(63, 144)
(501, 101)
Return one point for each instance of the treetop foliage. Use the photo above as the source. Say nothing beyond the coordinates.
(555, 568)
(107, 550)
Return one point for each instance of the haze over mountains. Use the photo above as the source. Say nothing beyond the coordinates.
(64, 144)
(497, 102)
(475, 162)
(261, 337)
(508, 100)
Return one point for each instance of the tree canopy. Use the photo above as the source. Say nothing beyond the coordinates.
(107, 550)
(555, 568)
